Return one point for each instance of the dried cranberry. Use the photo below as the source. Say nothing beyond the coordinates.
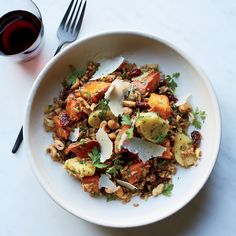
(135, 72)
(64, 119)
(142, 105)
(196, 137)
(172, 98)
(163, 83)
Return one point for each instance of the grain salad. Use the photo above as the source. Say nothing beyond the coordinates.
(120, 130)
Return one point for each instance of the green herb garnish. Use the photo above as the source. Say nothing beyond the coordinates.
(111, 197)
(125, 120)
(114, 170)
(198, 117)
(95, 157)
(130, 131)
(160, 138)
(171, 82)
(103, 106)
(73, 76)
(168, 189)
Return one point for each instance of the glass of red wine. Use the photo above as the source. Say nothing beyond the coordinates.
(21, 29)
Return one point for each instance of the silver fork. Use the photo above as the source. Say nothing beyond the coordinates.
(67, 33)
(68, 29)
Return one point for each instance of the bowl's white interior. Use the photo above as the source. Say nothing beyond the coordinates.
(66, 190)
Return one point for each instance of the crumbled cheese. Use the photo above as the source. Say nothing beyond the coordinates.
(105, 182)
(182, 99)
(115, 94)
(74, 135)
(106, 144)
(107, 66)
(144, 149)
(126, 184)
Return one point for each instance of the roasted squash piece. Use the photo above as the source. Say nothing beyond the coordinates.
(60, 131)
(73, 109)
(184, 150)
(81, 150)
(160, 104)
(96, 117)
(78, 169)
(152, 127)
(91, 184)
(94, 90)
(147, 82)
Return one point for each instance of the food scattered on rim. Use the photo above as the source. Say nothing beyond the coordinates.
(123, 133)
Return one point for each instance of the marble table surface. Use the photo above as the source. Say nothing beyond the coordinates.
(206, 31)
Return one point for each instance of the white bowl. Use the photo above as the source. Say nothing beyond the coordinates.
(65, 190)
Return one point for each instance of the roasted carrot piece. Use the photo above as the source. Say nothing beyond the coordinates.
(81, 150)
(167, 154)
(136, 171)
(73, 109)
(160, 104)
(60, 131)
(91, 183)
(147, 82)
(93, 90)
(120, 138)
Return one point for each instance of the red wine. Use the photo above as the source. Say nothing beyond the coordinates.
(19, 31)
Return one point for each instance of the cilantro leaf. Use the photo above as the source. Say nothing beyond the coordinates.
(95, 157)
(171, 82)
(130, 132)
(168, 189)
(198, 117)
(73, 76)
(103, 106)
(125, 119)
(114, 170)
(111, 197)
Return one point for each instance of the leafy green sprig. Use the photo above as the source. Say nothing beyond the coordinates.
(95, 157)
(198, 117)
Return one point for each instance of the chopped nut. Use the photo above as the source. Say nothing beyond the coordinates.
(112, 136)
(76, 84)
(52, 151)
(185, 108)
(119, 193)
(158, 190)
(59, 145)
(198, 152)
(104, 126)
(127, 110)
(127, 103)
(112, 124)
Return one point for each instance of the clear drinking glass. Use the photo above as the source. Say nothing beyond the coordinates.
(21, 29)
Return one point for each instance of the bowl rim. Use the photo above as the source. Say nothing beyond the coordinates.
(40, 77)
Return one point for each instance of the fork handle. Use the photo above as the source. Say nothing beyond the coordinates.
(59, 48)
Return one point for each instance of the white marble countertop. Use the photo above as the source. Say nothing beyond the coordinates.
(206, 31)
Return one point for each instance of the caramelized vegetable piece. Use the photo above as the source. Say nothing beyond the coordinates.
(160, 104)
(147, 82)
(96, 117)
(168, 153)
(136, 172)
(78, 169)
(73, 109)
(91, 184)
(93, 90)
(120, 138)
(81, 150)
(60, 131)
(184, 151)
(152, 127)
